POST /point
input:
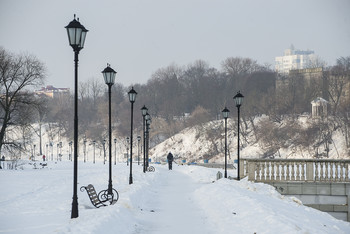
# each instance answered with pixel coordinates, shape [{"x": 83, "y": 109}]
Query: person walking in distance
[{"x": 170, "y": 158}]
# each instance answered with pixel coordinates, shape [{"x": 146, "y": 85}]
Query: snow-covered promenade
[{"x": 184, "y": 200}]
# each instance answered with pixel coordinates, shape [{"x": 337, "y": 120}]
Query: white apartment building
[{"x": 294, "y": 59}]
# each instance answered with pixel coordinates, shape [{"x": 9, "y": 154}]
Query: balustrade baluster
[
  {"x": 326, "y": 176},
  {"x": 321, "y": 170},
  {"x": 303, "y": 176},
  {"x": 293, "y": 172},
  {"x": 332, "y": 171},
  {"x": 278, "y": 178},
  {"x": 263, "y": 177},
  {"x": 341, "y": 172},
  {"x": 287, "y": 173},
  {"x": 273, "y": 178},
  {"x": 246, "y": 167},
  {"x": 297, "y": 177},
  {"x": 345, "y": 175},
  {"x": 336, "y": 176},
  {"x": 268, "y": 171},
  {"x": 316, "y": 171},
  {"x": 346, "y": 172},
  {"x": 283, "y": 171},
  {"x": 302, "y": 170},
  {"x": 243, "y": 168}
]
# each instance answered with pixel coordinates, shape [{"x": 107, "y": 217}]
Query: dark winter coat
[{"x": 170, "y": 157}]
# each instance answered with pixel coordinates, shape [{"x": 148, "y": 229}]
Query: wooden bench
[{"x": 92, "y": 195}]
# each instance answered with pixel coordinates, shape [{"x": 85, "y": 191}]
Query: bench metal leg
[{"x": 104, "y": 196}]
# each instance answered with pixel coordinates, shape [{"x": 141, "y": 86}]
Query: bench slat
[{"x": 92, "y": 195}]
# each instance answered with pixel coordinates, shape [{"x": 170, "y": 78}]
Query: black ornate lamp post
[
  {"x": 127, "y": 150},
  {"x": 148, "y": 123},
  {"x": 34, "y": 152},
  {"x": 85, "y": 148},
  {"x": 225, "y": 113},
  {"x": 47, "y": 152},
  {"x": 20, "y": 151},
  {"x": 70, "y": 150},
  {"x": 138, "y": 149},
  {"x": 60, "y": 150},
  {"x": 104, "y": 151},
  {"x": 115, "y": 151},
  {"x": 94, "y": 142},
  {"x": 238, "y": 98},
  {"x": 144, "y": 113},
  {"x": 109, "y": 77},
  {"x": 132, "y": 97},
  {"x": 51, "y": 145},
  {"x": 57, "y": 146},
  {"x": 76, "y": 36}
]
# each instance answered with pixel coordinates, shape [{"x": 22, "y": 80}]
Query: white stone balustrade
[{"x": 309, "y": 170}]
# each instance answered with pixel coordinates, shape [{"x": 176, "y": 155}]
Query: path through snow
[
  {"x": 172, "y": 209},
  {"x": 180, "y": 201}
]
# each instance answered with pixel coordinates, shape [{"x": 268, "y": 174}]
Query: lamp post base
[{"x": 75, "y": 212}]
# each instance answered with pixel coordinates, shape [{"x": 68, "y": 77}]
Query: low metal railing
[{"x": 313, "y": 170}]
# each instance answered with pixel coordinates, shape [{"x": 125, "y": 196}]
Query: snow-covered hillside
[{"x": 195, "y": 144}]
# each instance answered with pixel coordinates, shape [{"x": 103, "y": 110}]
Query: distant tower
[{"x": 294, "y": 59}]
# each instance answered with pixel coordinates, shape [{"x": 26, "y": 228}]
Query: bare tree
[
  {"x": 163, "y": 93},
  {"x": 240, "y": 66},
  {"x": 59, "y": 107},
  {"x": 42, "y": 109},
  {"x": 316, "y": 62},
  {"x": 275, "y": 136},
  {"x": 339, "y": 78},
  {"x": 199, "y": 116},
  {"x": 343, "y": 118},
  {"x": 17, "y": 73},
  {"x": 339, "y": 88},
  {"x": 96, "y": 89},
  {"x": 24, "y": 125}
]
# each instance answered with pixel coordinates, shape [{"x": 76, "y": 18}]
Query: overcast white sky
[{"x": 137, "y": 37}]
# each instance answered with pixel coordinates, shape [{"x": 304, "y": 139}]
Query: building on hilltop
[
  {"x": 294, "y": 59},
  {"x": 309, "y": 77},
  {"x": 52, "y": 92},
  {"x": 307, "y": 84},
  {"x": 316, "y": 78}
]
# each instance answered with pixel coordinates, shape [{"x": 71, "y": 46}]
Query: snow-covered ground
[{"x": 187, "y": 199}]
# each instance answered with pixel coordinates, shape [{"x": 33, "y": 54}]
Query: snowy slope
[
  {"x": 185, "y": 199},
  {"x": 194, "y": 144},
  {"x": 205, "y": 141}
]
